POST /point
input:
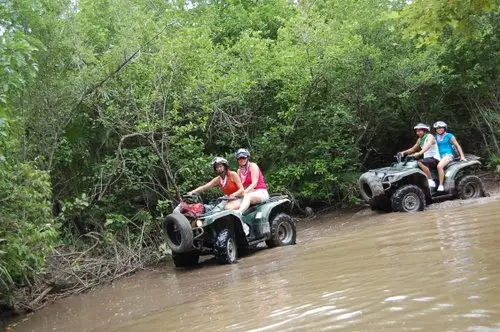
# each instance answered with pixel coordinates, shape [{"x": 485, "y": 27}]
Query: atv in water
[
  {"x": 196, "y": 229},
  {"x": 403, "y": 187}
]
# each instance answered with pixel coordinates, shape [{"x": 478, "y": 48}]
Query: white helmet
[
  {"x": 242, "y": 153},
  {"x": 440, "y": 124},
  {"x": 421, "y": 126},
  {"x": 219, "y": 160}
]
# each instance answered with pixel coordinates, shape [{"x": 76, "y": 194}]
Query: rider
[
  {"x": 228, "y": 181},
  {"x": 426, "y": 146},
  {"x": 253, "y": 181},
  {"x": 445, "y": 143}
]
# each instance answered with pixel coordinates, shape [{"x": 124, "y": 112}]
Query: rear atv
[{"x": 403, "y": 187}]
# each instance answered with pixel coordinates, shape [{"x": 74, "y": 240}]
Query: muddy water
[{"x": 436, "y": 270}]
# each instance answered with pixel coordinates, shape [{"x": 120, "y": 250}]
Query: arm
[
  {"x": 430, "y": 141},
  {"x": 206, "y": 186},
  {"x": 459, "y": 148},
  {"x": 237, "y": 180},
  {"x": 255, "y": 177},
  {"x": 412, "y": 149}
]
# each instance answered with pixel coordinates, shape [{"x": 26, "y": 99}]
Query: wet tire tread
[
  {"x": 275, "y": 241},
  {"x": 184, "y": 230},
  {"x": 221, "y": 247},
  {"x": 467, "y": 180},
  {"x": 398, "y": 197}
]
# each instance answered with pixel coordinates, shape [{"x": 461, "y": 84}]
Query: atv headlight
[
  {"x": 199, "y": 223},
  {"x": 380, "y": 175}
]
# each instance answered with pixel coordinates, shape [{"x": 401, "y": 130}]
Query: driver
[
  {"x": 228, "y": 181},
  {"x": 425, "y": 146}
]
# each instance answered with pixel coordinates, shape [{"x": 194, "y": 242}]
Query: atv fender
[
  {"x": 270, "y": 210},
  {"x": 451, "y": 172},
  {"x": 227, "y": 219}
]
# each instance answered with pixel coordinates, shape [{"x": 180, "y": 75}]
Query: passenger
[
  {"x": 426, "y": 147},
  {"x": 445, "y": 143},
  {"x": 228, "y": 181},
  {"x": 253, "y": 181}
]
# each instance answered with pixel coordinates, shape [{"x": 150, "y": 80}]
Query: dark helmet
[
  {"x": 220, "y": 160},
  {"x": 421, "y": 126},
  {"x": 440, "y": 124},
  {"x": 242, "y": 153}
]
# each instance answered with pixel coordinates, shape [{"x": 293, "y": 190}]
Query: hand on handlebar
[{"x": 228, "y": 198}]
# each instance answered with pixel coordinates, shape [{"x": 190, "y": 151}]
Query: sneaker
[
  {"x": 432, "y": 184},
  {"x": 246, "y": 229},
  {"x": 440, "y": 188}
]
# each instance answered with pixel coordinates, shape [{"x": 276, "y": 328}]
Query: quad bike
[
  {"x": 403, "y": 186},
  {"x": 196, "y": 229}
]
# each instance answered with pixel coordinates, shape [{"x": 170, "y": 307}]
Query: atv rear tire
[
  {"x": 185, "y": 260},
  {"x": 283, "y": 231},
  {"x": 408, "y": 198},
  {"x": 470, "y": 186},
  {"x": 178, "y": 233},
  {"x": 225, "y": 248}
]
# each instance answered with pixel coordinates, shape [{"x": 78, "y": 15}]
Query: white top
[{"x": 433, "y": 150}]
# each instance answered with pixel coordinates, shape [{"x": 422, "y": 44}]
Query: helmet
[
  {"x": 220, "y": 160},
  {"x": 421, "y": 126},
  {"x": 242, "y": 153},
  {"x": 440, "y": 124}
]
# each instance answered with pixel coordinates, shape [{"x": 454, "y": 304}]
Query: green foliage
[
  {"x": 27, "y": 230},
  {"x": 124, "y": 103}
]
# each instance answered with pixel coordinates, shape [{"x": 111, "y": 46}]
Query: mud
[{"x": 358, "y": 270}]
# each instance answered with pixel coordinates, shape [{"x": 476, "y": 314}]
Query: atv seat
[
  {"x": 252, "y": 208},
  {"x": 454, "y": 162},
  {"x": 272, "y": 198}
]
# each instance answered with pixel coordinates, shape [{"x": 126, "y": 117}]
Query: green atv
[
  {"x": 215, "y": 231},
  {"x": 403, "y": 187}
]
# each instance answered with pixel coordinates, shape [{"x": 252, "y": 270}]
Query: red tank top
[{"x": 228, "y": 186}]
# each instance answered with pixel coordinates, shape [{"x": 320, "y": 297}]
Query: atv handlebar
[
  {"x": 192, "y": 198},
  {"x": 400, "y": 158}
]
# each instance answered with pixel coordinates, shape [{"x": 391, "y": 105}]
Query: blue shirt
[{"x": 444, "y": 144}]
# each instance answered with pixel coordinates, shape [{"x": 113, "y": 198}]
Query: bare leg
[
  {"x": 442, "y": 164},
  {"x": 425, "y": 169},
  {"x": 233, "y": 205},
  {"x": 247, "y": 200}
]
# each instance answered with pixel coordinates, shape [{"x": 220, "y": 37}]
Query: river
[{"x": 435, "y": 270}]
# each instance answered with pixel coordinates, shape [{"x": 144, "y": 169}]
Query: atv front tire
[
  {"x": 225, "y": 248},
  {"x": 408, "y": 198}
]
